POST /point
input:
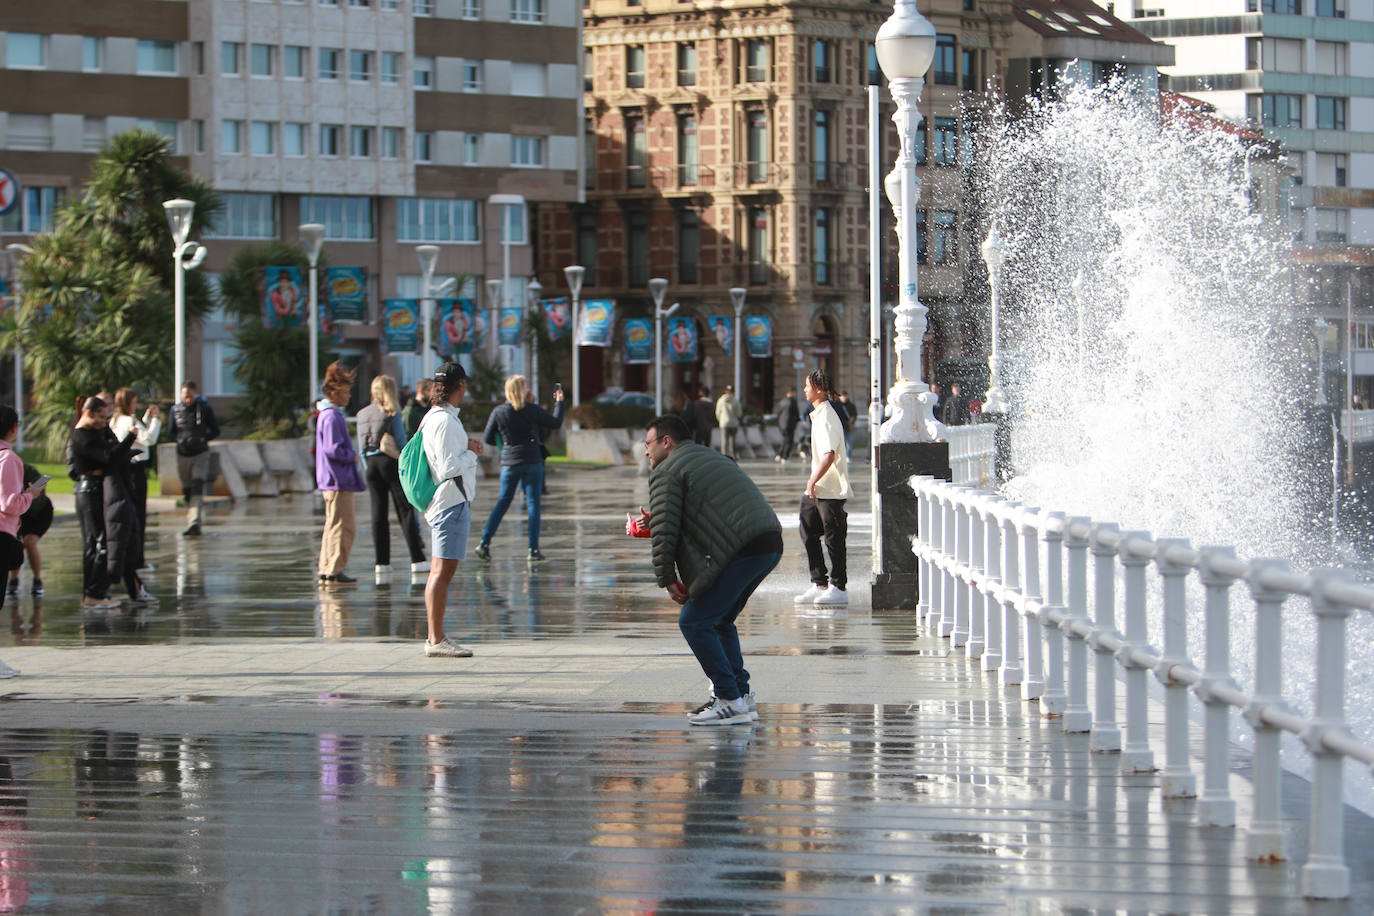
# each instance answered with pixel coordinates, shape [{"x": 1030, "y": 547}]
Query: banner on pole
[
  {"x": 557, "y": 317},
  {"x": 598, "y": 320},
  {"x": 682, "y": 340},
  {"x": 758, "y": 330},
  {"x": 401, "y": 332},
  {"x": 639, "y": 341},
  {"x": 724, "y": 332},
  {"x": 345, "y": 291},
  {"x": 283, "y": 300},
  {"x": 455, "y": 327},
  {"x": 511, "y": 320}
]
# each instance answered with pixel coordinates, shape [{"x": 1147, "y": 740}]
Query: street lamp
[
  {"x": 494, "y": 297},
  {"x": 575, "y": 274},
  {"x": 186, "y": 255},
  {"x": 312, "y": 237},
  {"x": 905, "y": 45},
  {"x": 657, "y": 287},
  {"x": 18, "y": 251},
  {"x": 994, "y": 255},
  {"x": 429, "y": 256},
  {"x": 532, "y": 291},
  {"x": 737, "y": 294},
  {"x": 505, "y": 201}
]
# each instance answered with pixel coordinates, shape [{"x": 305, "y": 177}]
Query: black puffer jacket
[{"x": 702, "y": 510}]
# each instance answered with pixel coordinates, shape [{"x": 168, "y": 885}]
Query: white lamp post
[
  {"x": 18, "y": 251},
  {"x": 1320, "y": 327},
  {"x": 532, "y": 291},
  {"x": 575, "y": 274},
  {"x": 906, "y": 46},
  {"x": 186, "y": 255},
  {"x": 494, "y": 296},
  {"x": 312, "y": 237},
  {"x": 505, "y": 201},
  {"x": 657, "y": 287},
  {"x": 994, "y": 255},
  {"x": 429, "y": 256},
  {"x": 737, "y": 294}
]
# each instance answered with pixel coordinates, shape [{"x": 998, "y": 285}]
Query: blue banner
[
  {"x": 478, "y": 326},
  {"x": 682, "y": 340},
  {"x": 345, "y": 293},
  {"x": 758, "y": 331},
  {"x": 455, "y": 327},
  {"x": 639, "y": 341},
  {"x": 508, "y": 334},
  {"x": 558, "y": 318},
  {"x": 284, "y": 302},
  {"x": 723, "y": 330},
  {"x": 598, "y": 321},
  {"x": 401, "y": 332}
]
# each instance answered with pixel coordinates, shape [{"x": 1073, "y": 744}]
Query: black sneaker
[
  {"x": 37, "y": 590},
  {"x": 192, "y": 531},
  {"x": 344, "y": 579},
  {"x": 710, "y": 701},
  {"x": 483, "y": 552},
  {"x": 12, "y": 588},
  {"x": 536, "y": 555}
]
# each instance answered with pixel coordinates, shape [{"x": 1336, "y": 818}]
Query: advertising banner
[
  {"x": 558, "y": 317},
  {"x": 345, "y": 292},
  {"x": 598, "y": 321},
  {"x": 682, "y": 340},
  {"x": 639, "y": 341},
  {"x": 478, "y": 324},
  {"x": 758, "y": 331},
  {"x": 401, "y": 332},
  {"x": 283, "y": 297},
  {"x": 455, "y": 327},
  {"x": 508, "y": 335},
  {"x": 724, "y": 331}
]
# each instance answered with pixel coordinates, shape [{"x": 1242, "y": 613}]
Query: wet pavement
[{"x": 253, "y": 745}]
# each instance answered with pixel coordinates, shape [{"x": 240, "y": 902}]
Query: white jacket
[
  {"x": 446, "y": 447},
  {"x": 146, "y": 432}
]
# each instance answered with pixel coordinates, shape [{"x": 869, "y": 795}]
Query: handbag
[{"x": 389, "y": 446}]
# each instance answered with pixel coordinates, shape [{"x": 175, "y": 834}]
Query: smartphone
[{"x": 42, "y": 481}]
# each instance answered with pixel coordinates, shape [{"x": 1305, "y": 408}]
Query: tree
[{"x": 97, "y": 308}]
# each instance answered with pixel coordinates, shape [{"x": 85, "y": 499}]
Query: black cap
[{"x": 450, "y": 374}]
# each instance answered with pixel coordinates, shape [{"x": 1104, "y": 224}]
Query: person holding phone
[
  {"x": 522, "y": 460},
  {"x": 15, "y": 499}
]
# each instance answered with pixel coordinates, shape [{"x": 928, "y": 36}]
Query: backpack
[{"x": 416, "y": 480}]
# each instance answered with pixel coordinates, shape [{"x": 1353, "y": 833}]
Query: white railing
[
  {"x": 1358, "y": 425},
  {"x": 972, "y": 453},
  {"x": 979, "y": 561}
]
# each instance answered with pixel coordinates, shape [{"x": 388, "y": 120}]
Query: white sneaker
[
  {"x": 422, "y": 566},
  {"x": 808, "y": 596},
  {"x": 724, "y": 712},
  {"x": 143, "y": 597},
  {"x": 381, "y": 570},
  {"x": 145, "y": 569},
  {"x": 833, "y": 595},
  {"x": 446, "y": 648},
  {"x": 7, "y": 671}
]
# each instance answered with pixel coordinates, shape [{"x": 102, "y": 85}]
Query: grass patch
[{"x": 62, "y": 484}]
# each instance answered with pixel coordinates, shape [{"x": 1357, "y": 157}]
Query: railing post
[
  {"x": 992, "y": 606},
  {"x": 1054, "y": 699},
  {"x": 1264, "y": 839},
  {"x": 1136, "y": 756},
  {"x": 1178, "y": 780},
  {"x": 973, "y": 649},
  {"x": 947, "y": 530},
  {"x": 1010, "y": 672},
  {"x": 1106, "y": 736},
  {"x": 1077, "y": 716},
  {"x": 1325, "y": 875},
  {"x": 1034, "y": 685},
  {"x": 937, "y": 544},
  {"x": 959, "y": 635},
  {"x": 923, "y": 566},
  {"x": 1216, "y": 808}
]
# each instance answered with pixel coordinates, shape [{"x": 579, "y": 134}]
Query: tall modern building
[{"x": 391, "y": 122}]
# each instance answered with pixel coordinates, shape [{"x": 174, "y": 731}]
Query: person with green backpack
[{"x": 439, "y": 476}]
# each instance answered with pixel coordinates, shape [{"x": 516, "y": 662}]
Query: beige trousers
[{"x": 340, "y": 527}]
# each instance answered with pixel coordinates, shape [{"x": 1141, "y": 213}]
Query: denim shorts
[{"x": 451, "y": 532}]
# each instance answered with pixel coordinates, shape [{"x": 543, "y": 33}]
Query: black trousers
[
  {"x": 138, "y": 482},
  {"x": 383, "y": 483},
  {"x": 90, "y": 510},
  {"x": 825, "y": 518},
  {"x": 789, "y": 433}
]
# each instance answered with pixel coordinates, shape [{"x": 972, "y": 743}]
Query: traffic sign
[
  {"x": 798, "y": 358},
  {"x": 9, "y": 191}
]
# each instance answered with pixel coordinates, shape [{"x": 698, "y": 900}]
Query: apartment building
[{"x": 391, "y": 122}]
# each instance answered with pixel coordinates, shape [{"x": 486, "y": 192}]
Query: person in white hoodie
[{"x": 452, "y": 456}]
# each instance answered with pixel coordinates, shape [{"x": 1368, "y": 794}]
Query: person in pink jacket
[{"x": 14, "y": 501}]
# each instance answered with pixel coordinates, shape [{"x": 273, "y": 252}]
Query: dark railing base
[{"x": 895, "y": 586}]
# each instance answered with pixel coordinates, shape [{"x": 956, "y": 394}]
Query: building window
[
  {"x": 756, "y": 60},
  {"x": 1331, "y": 169},
  {"x": 820, "y": 145},
  {"x": 946, "y": 141},
  {"x": 198, "y": 131},
  {"x": 1281, "y": 110},
  {"x": 1286, "y": 7},
  {"x": 688, "y": 150},
  {"x": 688, "y": 246},
  {"x": 360, "y": 3},
  {"x": 261, "y": 59},
  {"x": 197, "y": 57},
  {"x": 946, "y": 247},
  {"x": 589, "y": 151},
  {"x": 424, "y": 146},
  {"x": 230, "y": 53},
  {"x": 430, "y": 219},
  {"x": 30, "y": 131},
  {"x": 970, "y": 66},
  {"x": 36, "y": 212},
  {"x": 921, "y": 141},
  {"x": 587, "y": 246},
  {"x": 91, "y": 53},
  {"x": 157, "y": 57},
  {"x": 331, "y": 136},
  {"x": 343, "y": 218},
  {"x": 360, "y": 66},
  {"x": 25, "y": 51},
  {"x": 293, "y": 138},
  {"x": 528, "y": 79},
  {"x": 945, "y": 72},
  {"x": 820, "y": 247},
  {"x": 922, "y": 249},
  {"x": 513, "y": 224},
  {"x": 527, "y": 11},
  {"x": 391, "y": 66},
  {"x": 1332, "y": 225},
  {"x": 637, "y": 246},
  {"x": 1330, "y": 113},
  {"x": 393, "y": 142},
  {"x": 424, "y": 73},
  {"x": 874, "y": 72},
  {"x": 634, "y": 67},
  {"x": 360, "y": 142},
  {"x": 163, "y": 127},
  {"x": 820, "y": 62},
  {"x": 329, "y": 62},
  {"x": 527, "y": 152},
  {"x": 262, "y": 137},
  {"x": 1332, "y": 9},
  {"x": 636, "y": 152},
  {"x": 423, "y": 7},
  {"x": 245, "y": 216},
  {"x": 472, "y": 76},
  {"x": 756, "y": 144},
  {"x": 231, "y": 137},
  {"x": 1333, "y": 58},
  {"x": 295, "y": 61},
  {"x": 472, "y": 149},
  {"x": 687, "y": 64},
  {"x": 472, "y": 9},
  {"x": 1281, "y": 54},
  {"x": 760, "y": 260}
]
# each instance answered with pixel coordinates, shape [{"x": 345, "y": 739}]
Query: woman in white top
[
  {"x": 452, "y": 456},
  {"x": 146, "y": 430}
]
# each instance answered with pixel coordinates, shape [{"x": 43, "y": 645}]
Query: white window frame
[
  {"x": 321, "y": 54},
  {"x": 231, "y": 54},
  {"x": 363, "y": 75},
  {"x": 439, "y": 221},
  {"x": 231, "y": 128},
  {"x": 521, "y": 148},
  {"x": 472, "y": 75},
  {"x": 253, "y": 50},
  {"x": 424, "y": 146},
  {"x": 302, "y": 130},
  {"x": 153, "y": 47},
  {"x": 391, "y": 66},
  {"x": 471, "y": 10},
  {"x": 360, "y": 141},
  {"x": 527, "y": 11},
  {"x": 41, "y": 41},
  {"x": 335, "y": 131},
  {"x": 422, "y": 79},
  {"x": 393, "y": 143},
  {"x": 237, "y": 220},
  {"x": 302, "y": 54},
  {"x": 89, "y": 42},
  {"x": 311, "y": 213},
  {"x": 265, "y": 130}
]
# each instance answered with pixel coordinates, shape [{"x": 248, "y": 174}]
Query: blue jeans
[
  {"x": 708, "y": 623},
  {"x": 531, "y": 477}
]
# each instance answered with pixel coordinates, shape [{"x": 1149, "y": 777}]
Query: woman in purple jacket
[{"x": 337, "y": 475}]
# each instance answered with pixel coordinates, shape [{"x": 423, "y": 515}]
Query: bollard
[
  {"x": 1054, "y": 700},
  {"x": 1178, "y": 780},
  {"x": 1264, "y": 839},
  {"x": 1136, "y": 756},
  {"x": 1106, "y": 736},
  {"x": 1077, "y": 716},
  {"x": 1216, "y": 808},
  {"x": 1010, "y": 672},
  {"x": 959, "y": 634},
  {"x": 973, "y": 649},
  {"x": 1033, "y": 686},
  {"x": 992, "y": 609}
]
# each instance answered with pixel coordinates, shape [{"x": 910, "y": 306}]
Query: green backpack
[{"x": 416, "y": 480}]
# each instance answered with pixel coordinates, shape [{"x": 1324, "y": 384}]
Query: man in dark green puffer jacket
[{"x": 715, "y": 539}]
